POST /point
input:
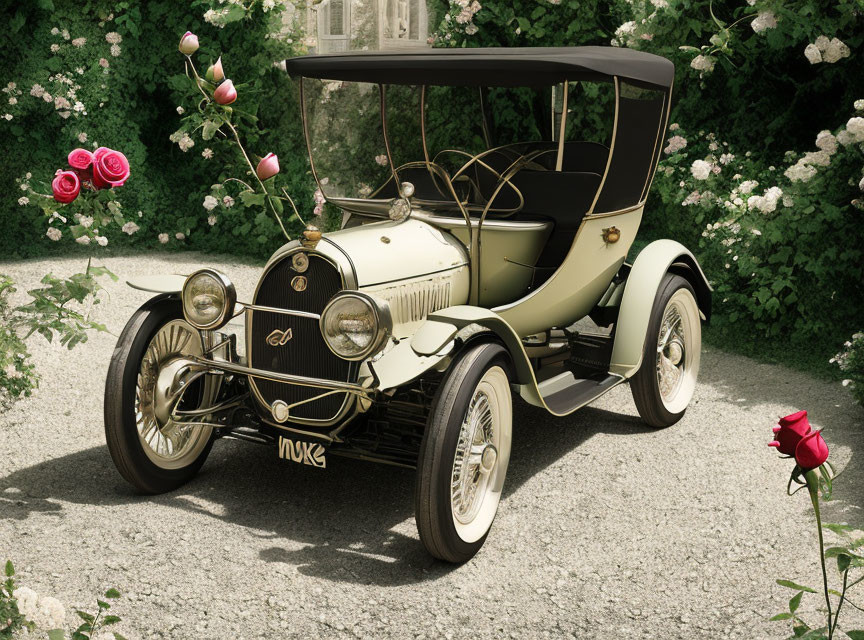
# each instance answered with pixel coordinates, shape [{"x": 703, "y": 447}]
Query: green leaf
[
  {"x": 56, "y": 634},
  {"x": 102, "y": 604},
  {"x": 843, "y": 562},
  {"x": 112, "y": 593},
  {"x": 85, "y": 616},
  {"x": 234, "y": 13},
  {"x": 855, "y": 635},
  {"x": 252, "y": 199},
  {"x": 838, "y": 528},
  {"x": 102, "y": 271},
  {"x": 794, "y": 585},
  {"x": 110, "y": 620},
  {"x": 781, "y": 616},
  {"x": 833, "y": 552},
  {"x": 795, "y": 602},
  {"x": 17, "y": 22},
  {"x": 277, "y": 204},
  {"x": 210, "y": 128},
  {"x": 117, "y": 636},
  {"x": 10, "y": 570}
]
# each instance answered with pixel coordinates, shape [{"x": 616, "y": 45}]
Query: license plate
[{"x": 311, "y": 453}]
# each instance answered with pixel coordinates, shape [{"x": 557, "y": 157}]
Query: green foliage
[
  {"x": 59, "y": 309},
  {"x": 11, "y": 620},
  {"x": 851, "y": 363},
  {"x": 49, "y": 315},
  {"x": 784, "y": 254},
  {"x": 129, "y": 102},
  {"x": 93, "y": 622},
  {"x": 17, "y": 375}
]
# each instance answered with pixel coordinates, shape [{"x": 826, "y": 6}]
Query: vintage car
[{"x": 489, "y": 259}]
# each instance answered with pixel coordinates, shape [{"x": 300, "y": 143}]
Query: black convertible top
[{"x": 504, "y": 67}]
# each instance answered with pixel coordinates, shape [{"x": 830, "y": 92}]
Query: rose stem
[
  {"x": 197, "y": 78},
  {"x": 842, "y": 596},
  {"x": 255, "y": 173},
  {"x": 813, "y": 488}
]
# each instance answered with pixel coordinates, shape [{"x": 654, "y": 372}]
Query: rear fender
[{"x": 643, "y": 281}]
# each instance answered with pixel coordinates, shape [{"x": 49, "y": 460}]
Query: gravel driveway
[{"x": 607, "y": 529}]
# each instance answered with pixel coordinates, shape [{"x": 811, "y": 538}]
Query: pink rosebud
[
  {"x": 188, "y": 43},
  {"x": 812, "y": 451},
  {"x": 215, "y": 72},
  {"x": 66, "y": 186},
  {"x": 790, "y": 432},
  {"x": 225, "y": 93},
  {"x": 268, "y": 167},
  {"x": 80, "y": 159}
]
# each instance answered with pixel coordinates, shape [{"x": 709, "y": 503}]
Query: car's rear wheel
[
  {"x": 666, "y": 380},
  {"x": 464, "y": 455},
  {"x": 153, "y": 450}
]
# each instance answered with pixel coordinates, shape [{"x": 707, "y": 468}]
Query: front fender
[
  {"x": 653, "y": 262},
  {"x": 433, "y": 342},
  {"x": 443, "y": 325},
  {"x": 169, "y": 283}
]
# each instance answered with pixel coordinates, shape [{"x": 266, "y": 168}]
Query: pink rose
[
  {"x": 188, "y": 43},
  {"x": 110, "y": 168},
  {"x": 80, "y": 159},
  {"x": 225, "y": 93},
  {"x": 268, "y": 167},
  {"x": 65, "y": 186}
]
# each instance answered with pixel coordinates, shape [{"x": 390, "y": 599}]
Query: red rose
[
  {"x": 110, "y": 168},
  {"x": 790, "y": 432},
  {"x": 80, "y": 159},
  {"x": 812, "y": 451},
  {"x": 66, "y": 186}
]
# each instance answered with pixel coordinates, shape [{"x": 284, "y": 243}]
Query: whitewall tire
[
  {"x": 464, "y": 455},
  {"x": 664, "y": 385}
]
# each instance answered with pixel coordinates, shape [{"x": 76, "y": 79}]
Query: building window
[
  {"x": 334, "y": 25},
  {"x": 403, "y": 22}
]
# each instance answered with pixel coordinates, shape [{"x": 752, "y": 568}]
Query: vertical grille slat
[{"x": 305, "y": 354}]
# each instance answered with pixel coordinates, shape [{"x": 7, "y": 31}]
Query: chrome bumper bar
[{"x": 216, "y": 366}]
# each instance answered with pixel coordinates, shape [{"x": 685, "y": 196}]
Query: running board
[{"x": 564, "y": 393}]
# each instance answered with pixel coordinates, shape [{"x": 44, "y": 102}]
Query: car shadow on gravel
[
  {"x": 757, "y": 384},
  {"x": 350, "y": 523}
]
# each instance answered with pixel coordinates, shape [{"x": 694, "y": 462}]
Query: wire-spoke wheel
[
  {"x": 464, "y": 455},
  {"x": 155, "y": 443},
  {"x": 666, "y": 380},
  {"x": 170, "y": 442}
]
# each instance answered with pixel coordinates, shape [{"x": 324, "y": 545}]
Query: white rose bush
[
  {"x": 24, "y": 612},
  {"x": 779, "y": 242}
]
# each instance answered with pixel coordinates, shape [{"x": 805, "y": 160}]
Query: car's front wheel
[
  {"x": 151, "y": 448},
  {"x": 666, "y": 380},
  {"x": 464, "y": 455}
]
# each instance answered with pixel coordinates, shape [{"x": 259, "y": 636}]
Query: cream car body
[{"x": 464, "y": 277}]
